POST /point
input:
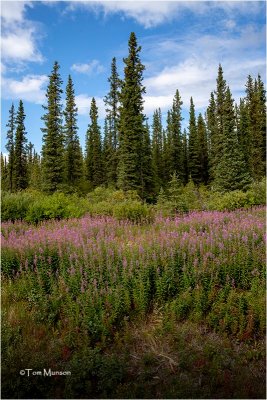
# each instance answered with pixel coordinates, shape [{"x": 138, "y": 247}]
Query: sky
[{"x": 182, "y": 43}]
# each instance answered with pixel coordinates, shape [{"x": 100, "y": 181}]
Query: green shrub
[
  {"x": 228, "y": 201},
  {"x": 102, "y": 194},
  {"x": 257, "y": 192},
  {"x": 134, "y": 211},
  {"x": 15, "y": 205}
]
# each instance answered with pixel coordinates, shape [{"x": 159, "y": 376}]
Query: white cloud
[
  {"x": 193, "y": 65},
  {"x": 20, "y": 46},
  {"x": 153, "y": 13},
  {"x": 151, "y": 103},
  {"x": 31, "y": 88},
  {"x": 19, "y": 35},
  {"x": 83, "y": 102},
  {"x": 13, "y": 11},
  {"x": 230, "y": 24},
  {"x": 2, "y": 68},
  {"x": 191, "y": 77},
  {"x": 93, "y": 67}
]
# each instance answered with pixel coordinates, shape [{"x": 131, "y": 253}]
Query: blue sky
[{"x": 182, "y": 45}]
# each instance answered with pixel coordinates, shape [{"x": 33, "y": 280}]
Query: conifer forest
[{"x": 135, "y": 267}]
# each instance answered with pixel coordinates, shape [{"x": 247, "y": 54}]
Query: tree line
[{"x": 224, "y": 148}]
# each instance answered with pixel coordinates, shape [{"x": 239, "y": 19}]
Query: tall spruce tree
[
  {"x": 73, "y": 151},
  {"x": 212, "y": 131},
  {"x": 11, "y": 149},
  {"x": 94, "y": 157},
  {"x": 4, "y": 173},
  {"x": 193, "y": 146},
  {"x": 132, "y": 127},
  {"x": 20, "y": 151},
  {"x": 220, "y": 114},
  {"x": 147, "y": 171},
  {"x": 256, "y": 126},
  {"x": 230, "y": 173},
  {"x": 202, "y": 150},
  {"x": 185, "y": 157},
  {"x": 261, "y": 95},
  {"x": 53, "y": 138},
  {"x": 167, "y": 148},
  {"x": 243, "y": 131},
  {"x": 176, "y": 152},
  {"x": 111, "y": 131},
  {"x": 108, "y": 152},
  {"x": 157, "y": 150},
  {"x": 35, "y": 177}
]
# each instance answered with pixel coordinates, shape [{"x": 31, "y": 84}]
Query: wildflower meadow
[{"x": 94, "y": 276}]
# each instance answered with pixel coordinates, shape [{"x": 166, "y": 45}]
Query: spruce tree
[
  {"x": 212, "y": 132},
  {"x": 167, "y": 148},
  {"x": 220, "y": 109},
  {"x": 256, "y": 126},
  {"x": 108, "y": 152},
  {"x": 157, "y": 149},
  {"x": 53, "y": 138},
  {"x": 35, "y": 177},
  {"x": 10, "y": 148},
  {"x": 132, "y": 127},
  {"x": 176, "y": 152},
  {"x": 73, "y": 151},
  {"x": 111, "y": 131},
  {"x": 261, "y": 95},
  {"x": 94, "y": 161},
  {"x": 30, "y": 150},
  {"x": 202, "y": 150},
  {"x": 243, "y": 131},
  {"x": 20, "y": 151},
  {"x": 185, "y": 157},
  {"x": 147, "y": 171},
  {"x": 193, "y": 147},
  {"x": 4, "y": 173},
  {"x": 220, "y": 114},
  {"x": 230, "y": 173}
]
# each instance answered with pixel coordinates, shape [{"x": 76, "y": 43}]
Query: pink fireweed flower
[
  {"x": 195, "y": 262},
  {"x": 245, "y": 239}
]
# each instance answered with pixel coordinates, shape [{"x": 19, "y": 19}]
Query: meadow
[{"x": 172, "y": 307}]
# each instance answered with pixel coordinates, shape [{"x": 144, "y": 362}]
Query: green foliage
[
  {"x": 73, "y": 151},
  {"x": 253, "y": 120},
  {"x": 10, "y": 146},
  {"x": 15, "y": 205},
  {"x": 33, "y": 206},
  {"x": 20, "y": 151},
  {"x": 94, "y": 156},
  {"x": 53, "y": 138},
  {"x": 174, "y": 121},
  {"x": 229, "y": 201},
  {"x": 111, "y": 129},
  {"x": 134, "y": 211},
  {"x": 157, "y": 149},
  {"x": 230, "y": 172},
  {"x": 178, "y": 198},
  {"x": 257, "y": 192},
  {"x": 133, "y": 174}
]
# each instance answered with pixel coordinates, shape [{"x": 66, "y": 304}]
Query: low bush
[
  {"x": 257, "y": 192},
  {"x": 15, "y": 206},
  {"x": 134, "y": 211},
  {"x": 33, "y": 206},
  {"x": 180, "y": 199},
  {"x": 229, "y": 201}
]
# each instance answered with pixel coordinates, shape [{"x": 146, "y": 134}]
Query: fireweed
[{"x": 94, "y": 273}]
